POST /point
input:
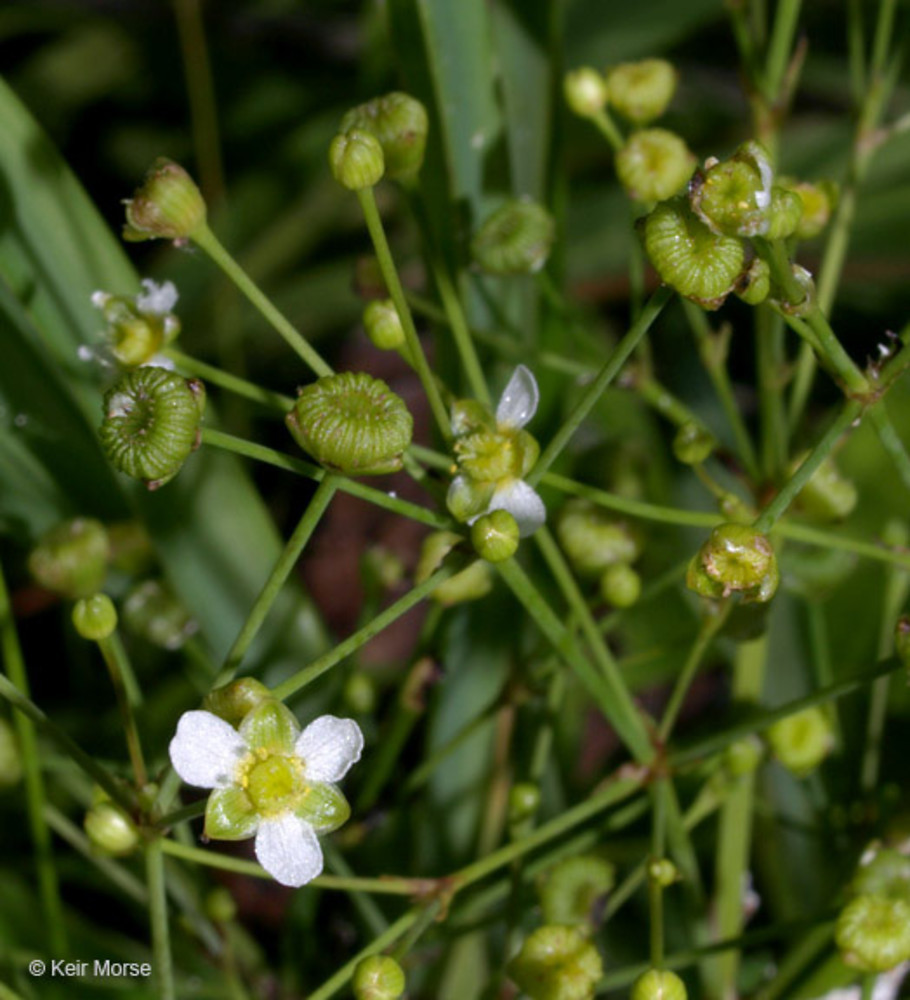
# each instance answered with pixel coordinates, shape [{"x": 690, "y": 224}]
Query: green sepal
[
  {"x": 229, "y": 815},
  {"x": 324, "y": 807},
  {"x": 270, "y": 727},
  {"x": 467, "y": 498},
  {"x": 470, "y": 416}
]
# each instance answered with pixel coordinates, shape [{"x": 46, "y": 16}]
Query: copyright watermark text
[{"x": 99, "y": 968}]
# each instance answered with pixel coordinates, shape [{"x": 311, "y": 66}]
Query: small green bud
[
  {"x": 754, "y": 284},
  {"x": 515, "y": 239},
  {"x": 524, "y": 801},
  {"x": 356, "y": 159},
  {"x": 585, "y": 91},
  {"x": 700, "y": 264},
  {"x": 167, "y": 206},
  {"x": 733, "y": 197},
  {"x": 784, "y": 213},
  {"x": 151, "y": 423},
  {"x": 220, "y": 906},
  {"x": 234, "y": 701},
  {"x": 378, "y": 977},
  {"x": 873, "y": 933},
  {"x": 110, "y": 829},
  {"x": 471, "y": 583},
  {"x": 886, "y": 873},
  {"x": 659, "y": 985},
  {"x": 654, "y": 165},
  {"x": 593, "y": 540},
  {"x": 400, "y": 123},
  {"x": 620, "y": 585},
  {"x": 734, "y": 559},
  {"x": 575, "y": 890},
  {"x": 359, "y": 693},
  {"x": 663, "y": 872},
  {"x": 802, "y": 741},
  {"x": 828, "y": 496},
  {"x": 131, "y": 549},
  {"x": 902, "y": 640},
  {"x": 495, "y": 536},
  {"x": 693, "y": 443},
  {"x": 152, "y": 611},
  {"x": 383, "y": 325},
  {"x": 818, "y": 202},
  {"x": 71, "y": 558},
  {"x": 744, "y": 756},
  {"x": 352, "y": 423},
  {"x": 10, "y": 757},
  {"x": 95, "y": 617},
  {"x": 557, "y": 963},
  {"x": 641, "y": 91}
]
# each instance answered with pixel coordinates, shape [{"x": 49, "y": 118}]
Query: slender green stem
[
  {"x": 891, "y": 442},
  {"x": 820, "y": 647},
  {"x": 710, "y": 626},
  {"x": 769, "y": 342},
  {"x": 422, "y": 773},
  {"x": 277, "y": 578},
  {"x": 666, "y": 404},
  {"x": 363, "y": 635},
  {"x": 194, "y": 368},
  {"x": 208, "y": 242},
  {"x": 193, "y": 811},
  {"x": 460, "y": 332},
  {"x": 595, "y": 390},
  {"x": 15, "y": 689},
  {"x": 658, "y": 852},
  {"x": 786, "y": 18},
  {"x": 373, "y": 220},
  {"x": 881, "y": 43},
  {"x": 363, "y": 902},
  {"x": 119, "y": 669},
  {"x": 161, "y": 934},
  {"x": 607, "y": 128},
  {"x": 270, "y": 456}
]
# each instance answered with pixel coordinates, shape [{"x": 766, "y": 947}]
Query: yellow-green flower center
[{"x": 275, "y": 783}]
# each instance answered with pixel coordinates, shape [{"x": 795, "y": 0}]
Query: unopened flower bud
[
  {"x": 873, "y": 933},
  {"x": 10, "y": 757},
  {"x": 471, "y": 583},
  {"x": 495, "y": 536},
  {"x": 71, "y": 558},
  {"x": 356, "y": 159},
  {"x": 886, "y": 873},
  {"x": 399, "y": 122},
  {"x": 802, "y": 741},
  {"x": 620, "y": 585},
  {"x": 557, "y": 963},
  {"x": 234, "y": 701},
  {"x": 383, "y": 325},
  {"x": 585, "y": 91},
  {"x": 352, "y": 423},
  {"x": 575, "y": 889},
  {"x": 153, "y": 611},
  {"x": 663, "y": 872},
  {"x": 168, "y": 205},
  {"x": 110, "y": 829},
  {"x": 700, "y": 264},
  {"x": 359, "y": 693},
  {"x": 828, "y": 496},
  {"x": 95, "y": 617},
  {"x": 220, "y": 906},
  {"x": 593, "y": 540},
  {"x": 657, "y": 984},
  {"x": 693, "y": 443},
  {"x": 735, "y": 559},
  {"x": 515, "y": 239},
  {"x": 378, "y": 977},
  {"x": 744, "y": 756},
  {"x": 733, "y": 197},
  {"x": 754, "y": 284},
  {"x": 654, "y": 165},
  {"x": 524, "y": 801},
  {"x": 818, "y": 202},
  {"x": 641, "y": 91},
  {"x": 131, "y": 550}
]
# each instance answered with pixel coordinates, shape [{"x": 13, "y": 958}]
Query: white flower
[
  {"x": 140, "y": 326},
  {"x": 270, "y": 780},
  {"x": 494, "y": 457}
]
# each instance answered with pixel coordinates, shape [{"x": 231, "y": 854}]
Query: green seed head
[
  {"x": 95, "y": 617},
  {"x": 733, "y": 197},
  {"x": 356, "y": 159},
  {"x": 659, "y": 985},
  {"x": 168, "y": 205},
  {"x": 515, "y": 239},
  {"x": 754, "y": 284},
  {"x": 557, "y": 963},
  {"x": 828, "y": 496},
  {"x": 873, "y": 933},
  {"x": 654, "y": 165},
  {"x": 593, "y": 540},
  {"x": 818, "y": 202},
  {"x": 620, "y": 585},
  {"x": 399, "y": 122},
  {"x": 886, "y": 873},
  {"x": 495, "y": 536},
  {"x": 641, "y": 91},
  {"x": 784, "y": 214},
  {"x": 735, "y": 559},
  {"x": 700, "y": 264},
  {"x": 378, "y": 978},
  {"x": 352, "y": 423},
  {"x": 575, "y": 890},
  {"x": 71, "y": 559},
  {"x": 585, "y": 91},
  {"x": 802, "y": 741}
]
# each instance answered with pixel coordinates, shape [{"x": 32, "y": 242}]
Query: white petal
[
  {"x": 518, "y": 402},
  {"x": 523, "y": 503},
  {"x": 205, "y": 750},
  {"x": 288, "y": 850},
  {"x": 156, "y": 299},
  {"x": 328, "y": 747}
]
